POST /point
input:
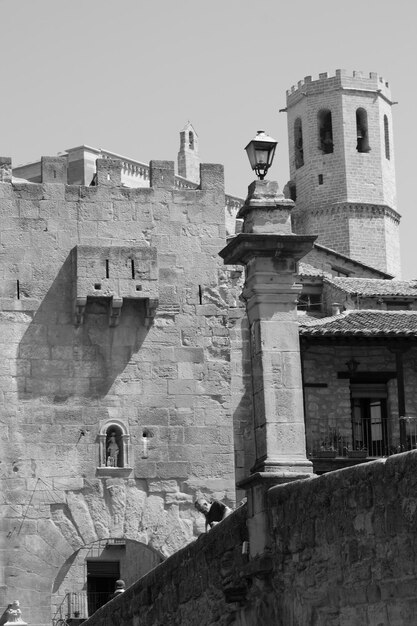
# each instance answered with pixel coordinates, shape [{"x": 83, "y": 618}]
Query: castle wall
[
  {"x": 113, "y": 315},
  {"x": 341, "y": 553}
]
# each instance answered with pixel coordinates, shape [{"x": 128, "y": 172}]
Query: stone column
[{"x": 270, "y": 251}]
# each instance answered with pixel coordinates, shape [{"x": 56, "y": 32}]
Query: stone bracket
[
  {"x": 80, "y": 305},
  {"x": 151, "y": 305},
  {"x": 115, "y": 310}
]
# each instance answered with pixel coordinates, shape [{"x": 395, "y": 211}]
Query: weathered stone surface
[
  {"x": 162, "y": 368},
  {"x": 328, "y": 562}
]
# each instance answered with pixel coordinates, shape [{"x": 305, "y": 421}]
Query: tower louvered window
[
  {"x": 386, "y": 137},
  {"x": 298, "y": 143},
  {"x": 325, "y": 131},
  {"x": 362, "y": 138}
]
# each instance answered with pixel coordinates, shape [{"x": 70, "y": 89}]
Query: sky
[{"x": 126, "y": 75}]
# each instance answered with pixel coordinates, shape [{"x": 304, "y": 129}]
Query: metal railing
[
  {"x": 80, "y": 604},
  {"x": 369, "y": 438}
]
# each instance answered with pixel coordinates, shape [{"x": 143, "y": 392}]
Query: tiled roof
[
  {"x": 362, "y": 323},
  {"x": 375, "y": 286}
]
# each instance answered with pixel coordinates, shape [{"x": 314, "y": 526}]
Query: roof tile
[{"x": 362, "y": 323}]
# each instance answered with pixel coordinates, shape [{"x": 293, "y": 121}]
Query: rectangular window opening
[
  {"x": 107, "y": 268},
  {"x": 320, "y": 179}
]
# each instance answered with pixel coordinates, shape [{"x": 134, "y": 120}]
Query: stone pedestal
[{"x": 270, "y": 251}]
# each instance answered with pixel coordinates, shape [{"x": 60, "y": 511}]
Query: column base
[{"x": 288, "y": 467}]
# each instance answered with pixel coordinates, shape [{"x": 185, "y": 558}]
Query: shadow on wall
[
  {"x": 242, "y": 390},
  {"x": 59, "y": 360}
]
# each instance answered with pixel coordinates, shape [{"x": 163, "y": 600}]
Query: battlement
[
  {"x": 108, "y": 170},
  {"x": 355, "y": 80}
]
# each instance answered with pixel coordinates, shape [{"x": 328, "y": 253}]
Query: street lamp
[{"x": 261, "y": 152}]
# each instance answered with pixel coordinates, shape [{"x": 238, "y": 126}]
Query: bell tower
[
  {"x": 188, "y": 157},
  {"x": 342, "y": 166}
]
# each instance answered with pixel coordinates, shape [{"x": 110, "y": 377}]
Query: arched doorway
[{"x": 87, "y": 579}]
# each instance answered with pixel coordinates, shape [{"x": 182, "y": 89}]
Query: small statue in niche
[{"x": 112, "y": 451}]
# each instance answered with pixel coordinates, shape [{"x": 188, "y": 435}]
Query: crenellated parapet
[
  {"x": 342, "y": 79},
  {"x": 5, "y": 170}
]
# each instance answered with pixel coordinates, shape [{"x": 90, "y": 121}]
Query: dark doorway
[
  {"x": 101, "y": 582},
  {"x": 370, "y": 425}
]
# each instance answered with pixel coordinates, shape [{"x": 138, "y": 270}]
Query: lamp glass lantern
[{"x": 261, "y": 151}]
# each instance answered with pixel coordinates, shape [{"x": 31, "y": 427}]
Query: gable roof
[{"x": 362, "y": 323}]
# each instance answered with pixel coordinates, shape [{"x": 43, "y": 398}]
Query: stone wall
[
  {"x": 342, "y": 554},
  {"x": 191, "y": 587},
  {"x": 346, "y": 546},
  {"x": 114, "y": 314}
]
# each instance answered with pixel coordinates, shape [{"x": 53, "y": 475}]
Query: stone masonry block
[
  {"x": 54, "y": 169},
  {"x": 212, "y": 177},
  {"x": 162, "y": 174},
  {"x": 109, "y": 172}
]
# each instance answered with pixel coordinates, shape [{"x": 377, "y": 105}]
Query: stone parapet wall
[
  {"x": 342, "y": 554},
  {"x": 345, "y": 544},
  {"x": 191, "y": 587},
  {"x": 342, "y": 79}
]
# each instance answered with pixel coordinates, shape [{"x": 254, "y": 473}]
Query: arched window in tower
[
  {"x": 191, "y": 140},
  {"x": 362, "y": 138},
  {"x": 325, "y": 131},
  {"x": 298, "y": 143},
  {"x": 386, "y": 137}
]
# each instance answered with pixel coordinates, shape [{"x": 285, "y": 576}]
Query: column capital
[{"x": 246, "y": 246}]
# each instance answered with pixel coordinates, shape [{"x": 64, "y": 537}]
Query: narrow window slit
[
  {"x": 133, "y": 267},
  {"x": 200, "y": 294},
  {"x": 107, "y": 268},
  {"x": 18, "y": 289}
]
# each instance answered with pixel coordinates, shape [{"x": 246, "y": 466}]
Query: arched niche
[{"x": 114, "y": 435}]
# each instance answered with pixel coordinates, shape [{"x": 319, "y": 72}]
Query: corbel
[
  {"x": 151, "y": 305},
  {"x": 115, "y": 310},
  {"x": 80, "y": 304}
]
